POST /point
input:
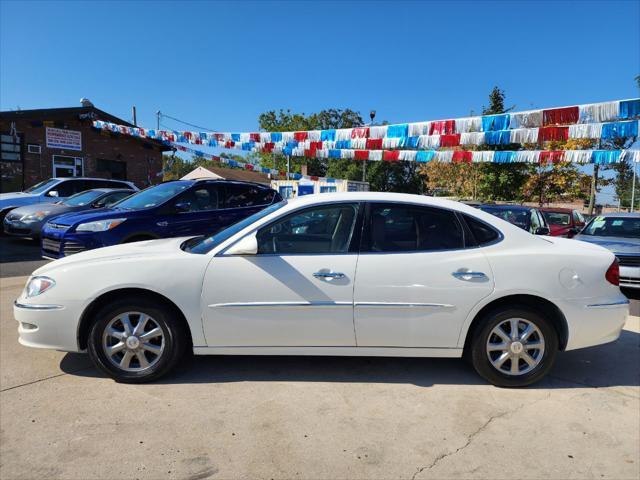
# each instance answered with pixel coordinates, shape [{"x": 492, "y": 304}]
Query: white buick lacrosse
[{"x": 368, "y": 274}]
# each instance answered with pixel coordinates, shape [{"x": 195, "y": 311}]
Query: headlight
[
  {"x": 34, "y": 217},
  {"x": 100, "y": 226},
  {"x": 38, "y": 285}
]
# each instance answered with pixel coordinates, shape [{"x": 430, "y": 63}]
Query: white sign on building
[{"x": 65, "y": 139}]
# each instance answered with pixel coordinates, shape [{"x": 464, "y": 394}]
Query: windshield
[
  {"x": 517, "y": 216},
  {"x": 206, "y": 244},
  {"x": 41, "y": 186},
  {"x": 152, "y": 196},
  {"x": 628, "y": 227},
  {"x": 557, "y": 218},
  {"x": 82, "y": 198}
]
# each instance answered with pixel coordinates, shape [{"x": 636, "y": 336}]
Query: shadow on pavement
[{"x": 614, "y": 364}]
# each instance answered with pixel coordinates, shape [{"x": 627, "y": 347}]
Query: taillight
[{"x": 613, "y": 273}]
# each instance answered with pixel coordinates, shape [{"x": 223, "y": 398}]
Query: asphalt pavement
[{"x": 316, "y": 418}]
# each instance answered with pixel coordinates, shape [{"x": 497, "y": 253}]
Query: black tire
[
  {"x": 174, "y": 337},
  {"x": 478, "y": 347}
]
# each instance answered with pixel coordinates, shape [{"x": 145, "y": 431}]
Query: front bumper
[
  {"x": 16, "y": 228},
  {"x": 58, "y": 244},
  {"x": 46, "y": 326}
]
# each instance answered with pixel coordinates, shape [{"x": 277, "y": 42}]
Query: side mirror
[
  {"x": 542, "y": 231},
  {"x": 247, "y": 246},
  {"x": 183, "y": 207},
  {"x": 97, "y": 205},
  {"x": 53, "y": 193}
]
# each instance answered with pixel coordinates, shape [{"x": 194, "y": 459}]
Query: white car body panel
[{"x": 393, "y": 313}]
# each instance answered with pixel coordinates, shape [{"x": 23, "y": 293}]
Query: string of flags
[{"x": 425, "y": 141}]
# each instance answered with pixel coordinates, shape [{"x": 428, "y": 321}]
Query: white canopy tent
[{"x": 201, "y": 172}]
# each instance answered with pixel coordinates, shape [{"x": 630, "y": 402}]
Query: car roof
[
  {"x": 556, "y": 210},
  {"x": 219, "y": 180},
  {"x": 92, "y": 178},
  {"x": 506, "y": 207},
  {"x": 620, "y": 214},
  {"x": 110, "y": 190}
]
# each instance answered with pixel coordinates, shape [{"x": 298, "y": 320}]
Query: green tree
[
  {"x": 623, "y": 183},
  {"x": 560, "y": 182},
  {"x": 496, "y": 103}
]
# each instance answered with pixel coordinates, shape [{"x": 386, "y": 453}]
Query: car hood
[
  {"x": 141, "y": 250},
  {"x": 40, "y": 207},
  {"x": 76, "y": 218},
  {"x": 614, "y": 244},
  {"x": 16, "y": 199}
]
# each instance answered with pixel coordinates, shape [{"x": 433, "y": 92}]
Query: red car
[{"x": 563, "y": 222}]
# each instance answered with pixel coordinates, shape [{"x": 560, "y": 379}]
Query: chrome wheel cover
[
  {"x": 515, "y": 346},
  {"x": 133, "y": 342}
]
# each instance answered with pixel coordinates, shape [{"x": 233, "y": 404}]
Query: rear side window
[
  {"x": 407, "y": 228},
  {"x": 70, "y": 187},
  {"x": 239, "y": 196},
  {"x": 481, "y": 231}
]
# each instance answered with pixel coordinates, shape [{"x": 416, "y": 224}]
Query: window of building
[
  {"x": 323, "y": 229},
  {"x": 10, "y": 148},
  {"x": 33, "y": 148},
  {"x": 407, "y": 228},
  {"x": 286, "y": 191},
  {"x": 116, "y": 169},
  {"x": 328, "y": 189}
]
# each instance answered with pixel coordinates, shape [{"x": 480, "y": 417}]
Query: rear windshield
[{"x": 557, "y": 218}]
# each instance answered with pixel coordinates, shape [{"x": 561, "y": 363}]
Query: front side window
[
  {"x": 69, "y": 187},
  {"x": 200, "y": 199},
  {"x": 407, "y": 228},
  {"x": 112, "y": 198},
  {"x": 557, "y": 218},
  {"x": 322, "y": 229},
  {"x": 153, "y": 196}
]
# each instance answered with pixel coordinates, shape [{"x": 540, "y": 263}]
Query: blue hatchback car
[{"x": 172, "y": 209}]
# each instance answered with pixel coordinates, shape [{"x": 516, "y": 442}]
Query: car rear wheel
[
  {"x": 136, "y": 341},
  {"x": 514, "y": 347}
]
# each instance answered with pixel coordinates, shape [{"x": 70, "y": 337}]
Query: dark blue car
[{"x": 171, "y": 209}]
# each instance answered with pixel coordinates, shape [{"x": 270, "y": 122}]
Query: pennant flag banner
[{"x": 425, "y": 141}]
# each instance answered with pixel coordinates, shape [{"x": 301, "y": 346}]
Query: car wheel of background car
[
  {"x": 135, "y": 341},
  {"x": 514, "y": 347}
]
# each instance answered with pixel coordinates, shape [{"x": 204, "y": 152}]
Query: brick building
[{"x": 61, "y": 142}]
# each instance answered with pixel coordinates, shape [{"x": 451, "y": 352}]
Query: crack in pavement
[
  {"x": 45, "y": 378},
  {"x": 474, "y": 434}
]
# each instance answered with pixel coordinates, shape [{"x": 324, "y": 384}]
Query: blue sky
[{"x": 220, "y": 64}]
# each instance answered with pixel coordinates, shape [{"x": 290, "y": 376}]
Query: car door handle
[
  {"x": 329, "y": 275},
  {"x": 469, "y": 275},
  {"x": 162, "y": 224}
]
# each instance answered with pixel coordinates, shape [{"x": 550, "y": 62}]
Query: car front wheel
[
  {"x": 514, "y": 347},
  {"x": 136, "y": 341}
]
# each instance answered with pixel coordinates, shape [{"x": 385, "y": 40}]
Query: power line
[{"x": 186, "y": 123}]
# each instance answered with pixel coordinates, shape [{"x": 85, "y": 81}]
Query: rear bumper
[{"x": 594, "y": 321}]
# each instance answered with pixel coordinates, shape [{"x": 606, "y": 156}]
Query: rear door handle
[
  {"x": 329, "y": 275},
  {"x": 469, "y": 275}
]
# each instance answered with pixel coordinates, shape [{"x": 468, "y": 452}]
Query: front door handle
[
  {"x": 469, "y": 275},
  {"x": 162, "y": 224},
  {"x": 328, "y": 275}
]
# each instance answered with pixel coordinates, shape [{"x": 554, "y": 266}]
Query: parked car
[
  {"x": 563, "y": 222},
  {"x": 55, "y": 189},
  {"x": 171, "y": 209},
  {"x": 434, "y": 278},
  {"x": 619, "y": 233},
  {"x": 28, "y": 221},
  {"x": 527, "y": 218}
]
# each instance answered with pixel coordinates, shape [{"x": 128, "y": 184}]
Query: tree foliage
[
  {"x": 560, "y": 182},
  {"x": 623, "y": 183}
]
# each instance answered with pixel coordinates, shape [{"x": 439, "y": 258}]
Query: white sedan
[{"x": 368, "y": 274}]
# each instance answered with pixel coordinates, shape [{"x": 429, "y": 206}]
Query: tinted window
[
  {"x": 324, "y": 229},
  {"x": 482, "y": 232},
  {"x": 406, "y": 228},
  {"x": 557, "y": 218},
  {"x": 519, "y": 217},
  {"x": 628, "y": 227},
  {"x": 201, "y": 198},
  {"x": 248, "y": 196},
  {"x": 69, "y": 187}
]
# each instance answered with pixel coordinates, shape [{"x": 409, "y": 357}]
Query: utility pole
[
  {"x": 594, "y": 186},
  {"x": 158, "y": 115},
  {"x": 288, "y": 167},
  {"x": 372, "y": 115},
  {"x": 133, "y": 111},
  {"x": 633, "y": 185}
]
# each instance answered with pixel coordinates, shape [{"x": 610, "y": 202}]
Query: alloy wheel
[
  {"x": 515, "y": 346},
  {"x": 133, "y": 341}
]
